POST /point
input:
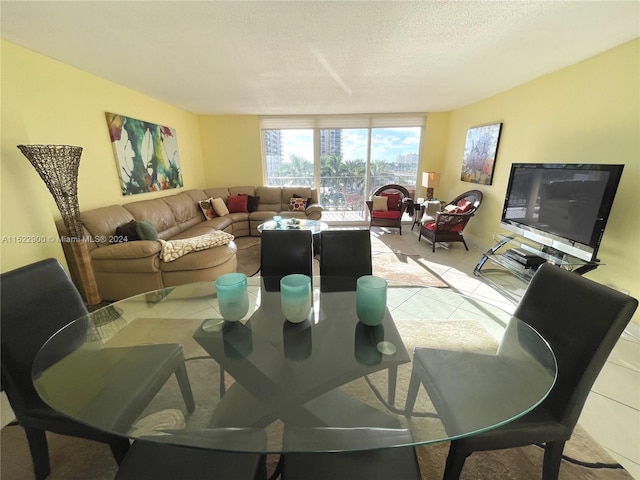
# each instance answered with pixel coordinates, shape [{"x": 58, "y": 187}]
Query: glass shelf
[{"x": 507, "y": 266}]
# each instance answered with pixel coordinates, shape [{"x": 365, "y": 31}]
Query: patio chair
[
  {"x": 387, "y": 206},
  {"x": 450, "y": 222}
]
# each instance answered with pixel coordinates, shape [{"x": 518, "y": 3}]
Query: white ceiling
[{"x": 313, "y": 57}]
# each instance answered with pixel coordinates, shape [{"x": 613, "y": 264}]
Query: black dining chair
[
  {"x": 582, "y": 321},
  {"x": 215, "y": 454},
  {"x": 284, "y": 252},
  {"x": 39, "y": 300},
  {"x": 345, "y": 255},
  {"x": 325, "y": 460}
]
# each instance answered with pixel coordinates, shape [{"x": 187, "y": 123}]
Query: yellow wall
[
  {"x": 586, "y": 113},
  {"x": 434, "y": 148},
  {"x": 48, "y": 102},
  {"x": 231, "y": 150}
]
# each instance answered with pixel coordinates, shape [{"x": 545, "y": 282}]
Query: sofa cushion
[
  {"x": 238, "y": 203},
  {"x": 102, "y": 222},
  {"x": 220, "y": 207},
  {"x": 270, "y": 199},
  {"x": 207, "y": 209},
  {"x": 183, "y": 207},
  {"x": 218, "y": 192},
  {"x": 157, "y": 212},
  {"x": 393, "y": 214}
]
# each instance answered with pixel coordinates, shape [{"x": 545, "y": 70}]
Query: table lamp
[{"x": 430, "y": 180}]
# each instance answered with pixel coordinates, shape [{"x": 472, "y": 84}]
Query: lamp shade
[{"x": 430, "y": 179}]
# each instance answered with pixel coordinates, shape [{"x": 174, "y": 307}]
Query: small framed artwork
[
  {"x": 146, "y": 154},
  {"x": 480, "y": 151}
]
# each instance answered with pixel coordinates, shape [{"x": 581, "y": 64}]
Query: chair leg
[
  {"x": 392, "y": 377},
  {"x": 39, "y": 452},
  {"x": 455, "y": 462},
  {"x": 464, "y": 243},
  {"x": 185, "y": 387},
  {"x": 412, "y": 392},
  {"x": 552, "y": 459},
  {"x": 119, "y": 448}
]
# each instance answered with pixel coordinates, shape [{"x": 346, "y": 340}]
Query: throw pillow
[
  {"x": 393, "y": 200},
  {"x": 252, "y": 203},
  {"x": 146, "y": 230},
  {"x": 126, "y": 233},
  {"x": 297, "y": 204},
  {"x": 380, "y": 204},
  {"x": 207, "y": 209},
  {"x": 238, "y": 204},
  {"x": 451, "y": 209},
  {"x": 220, "y": 207},
  {"x": 309, "y": 200},
  {"x": 464, "y": 206}
]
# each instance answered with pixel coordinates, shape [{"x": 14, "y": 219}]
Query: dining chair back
[
  {"x": 37, "y": 301},
  {"x": 373, "y": 462},
  {"x": 197, "y": 456},
  {"x": 345, "y": 255},
  {"x": 284, "y": 252},
  {"x": 581, "y": 320}
]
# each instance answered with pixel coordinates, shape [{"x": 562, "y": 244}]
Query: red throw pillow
[
  {"x": 393, "y": 200},
  {"x": 238, "y": 204},
  {"x": 464, "y": 206}
]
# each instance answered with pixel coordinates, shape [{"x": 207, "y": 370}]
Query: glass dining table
[{"x": 264, "y": 373}]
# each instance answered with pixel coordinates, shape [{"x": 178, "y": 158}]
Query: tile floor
[{"x": 612, "y": 411}]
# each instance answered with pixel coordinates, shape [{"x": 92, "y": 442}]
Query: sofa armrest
[
  {"x": 125, "y": 250},
  {"x": 314, "y": 211}
]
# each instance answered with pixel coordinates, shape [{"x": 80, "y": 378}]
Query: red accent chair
[
  {"x": 399, "y": 201},
  {"x": 452, "y": 219}
]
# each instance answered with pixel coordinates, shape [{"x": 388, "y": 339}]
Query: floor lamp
[
  {"x": 58, "y": 166},
  {"x": 430, "y": 180}
]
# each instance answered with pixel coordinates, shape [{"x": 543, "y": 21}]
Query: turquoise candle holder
[
  {"x": 295, "y": 297},
  {"x": 371, "y": 299},
  {"x": 233, "y": 298}
]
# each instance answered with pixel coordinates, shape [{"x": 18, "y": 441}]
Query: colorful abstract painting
[
  {"x": 480, "y": 152},
  {"x": 146, "y": 154}
]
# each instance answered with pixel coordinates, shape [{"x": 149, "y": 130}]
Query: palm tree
[{"x": 299, "y": 169}]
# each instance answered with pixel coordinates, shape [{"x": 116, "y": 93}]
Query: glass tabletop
[
  {"x": 294, "y": 224},
  {"x": 329, "y": 373}
]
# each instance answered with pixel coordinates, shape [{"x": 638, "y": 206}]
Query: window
[{"x": 346, "y": 157}]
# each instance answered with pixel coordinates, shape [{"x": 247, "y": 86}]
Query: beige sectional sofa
[{"x": 123, "y": 269}]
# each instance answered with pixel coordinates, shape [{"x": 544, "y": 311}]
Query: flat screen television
[{"x": 562, "y": 206}]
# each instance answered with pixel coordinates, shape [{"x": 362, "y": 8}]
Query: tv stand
[{"x": 514, "y": 256}]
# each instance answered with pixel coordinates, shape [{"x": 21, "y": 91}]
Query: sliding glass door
[{"x": 346, "y": 164}]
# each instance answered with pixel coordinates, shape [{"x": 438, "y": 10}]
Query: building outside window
[{"x": 347, "y": 160}]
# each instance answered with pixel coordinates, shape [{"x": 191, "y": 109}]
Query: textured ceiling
[{"x": 314, "y": 57}]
